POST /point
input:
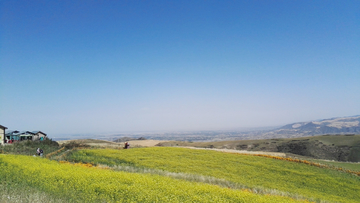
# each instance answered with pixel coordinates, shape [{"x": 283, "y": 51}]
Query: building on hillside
[
  {"x": 26, "y": 135},
  {"x": 2, "y": 134},
  {"x": 38, "y": 135},
  {"x": 14, "y": 136}
]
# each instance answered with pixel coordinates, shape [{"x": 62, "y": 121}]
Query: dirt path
[{"x": 102, "y": 143}]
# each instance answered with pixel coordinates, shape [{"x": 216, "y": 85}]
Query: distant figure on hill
[{"x": 127, "y": 145}]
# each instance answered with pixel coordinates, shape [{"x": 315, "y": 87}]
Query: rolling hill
[{"x": 330, "y": 147}]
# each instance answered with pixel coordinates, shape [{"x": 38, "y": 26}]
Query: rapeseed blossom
[{"x": 84, "y": 183}]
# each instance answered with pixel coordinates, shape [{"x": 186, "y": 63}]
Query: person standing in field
[
  {"x": 126, "y": 145},
  {"x": 39, "y": 152}
]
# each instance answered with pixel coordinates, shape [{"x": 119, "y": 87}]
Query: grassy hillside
[
  {"x": 29, "y": 147},
  {"x": 249, "y": 171},
  {"x": 331, "y": 147},
  {"x": 163, "y": 174},
  {"x": 64, "y": 182}
]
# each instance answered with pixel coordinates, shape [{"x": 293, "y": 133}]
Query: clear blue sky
[{"x": 113, "y": 66}]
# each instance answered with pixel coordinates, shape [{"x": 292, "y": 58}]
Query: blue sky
[{"x": 114, "y": 66}]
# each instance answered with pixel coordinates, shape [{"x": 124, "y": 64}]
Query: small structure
[
  {"x": 2, "y": 134},
  {"x": 26, "y": 135},
  {"x": 38, "y": 135}
]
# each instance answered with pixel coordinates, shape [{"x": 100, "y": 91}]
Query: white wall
[{"x": 2, "y": 135}]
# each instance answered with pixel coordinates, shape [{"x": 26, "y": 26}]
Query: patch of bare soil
[{"x": 145, "y": 143}]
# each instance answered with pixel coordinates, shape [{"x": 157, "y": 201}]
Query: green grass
[
  {"x": 251, "y": 171},
  {"x": 345, "y": 165}
]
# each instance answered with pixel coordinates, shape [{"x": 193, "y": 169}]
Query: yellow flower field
[
  {"x": 82, "y": 183},
  {"x": 251, "y": 171}
]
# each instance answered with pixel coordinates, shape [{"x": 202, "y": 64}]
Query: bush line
[{"x": 52, "y": 153}]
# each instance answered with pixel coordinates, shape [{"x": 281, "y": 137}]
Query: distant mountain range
[{"x": 340, "y": 125}]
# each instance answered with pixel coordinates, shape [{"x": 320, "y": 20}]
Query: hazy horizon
[{"x": 78, "y": 67}]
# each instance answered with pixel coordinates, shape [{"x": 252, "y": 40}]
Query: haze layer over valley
[{"x": 331, "y": 126}]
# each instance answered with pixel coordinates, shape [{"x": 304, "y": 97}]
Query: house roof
[
  {"x": 23, "y": 133},
  {"x": 36, "y": 132},
  {"x": 12, "y": 132},
  {"x": 1, "y": 126},
  {"x": 16, "y": 133}
]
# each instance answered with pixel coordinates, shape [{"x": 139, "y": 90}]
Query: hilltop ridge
[{"x": 339, "y": 125}]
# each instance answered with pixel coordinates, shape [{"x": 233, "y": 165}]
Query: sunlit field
[
  {"x": 64, "y": 182},
  {"x": 250, "y": 171}
]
